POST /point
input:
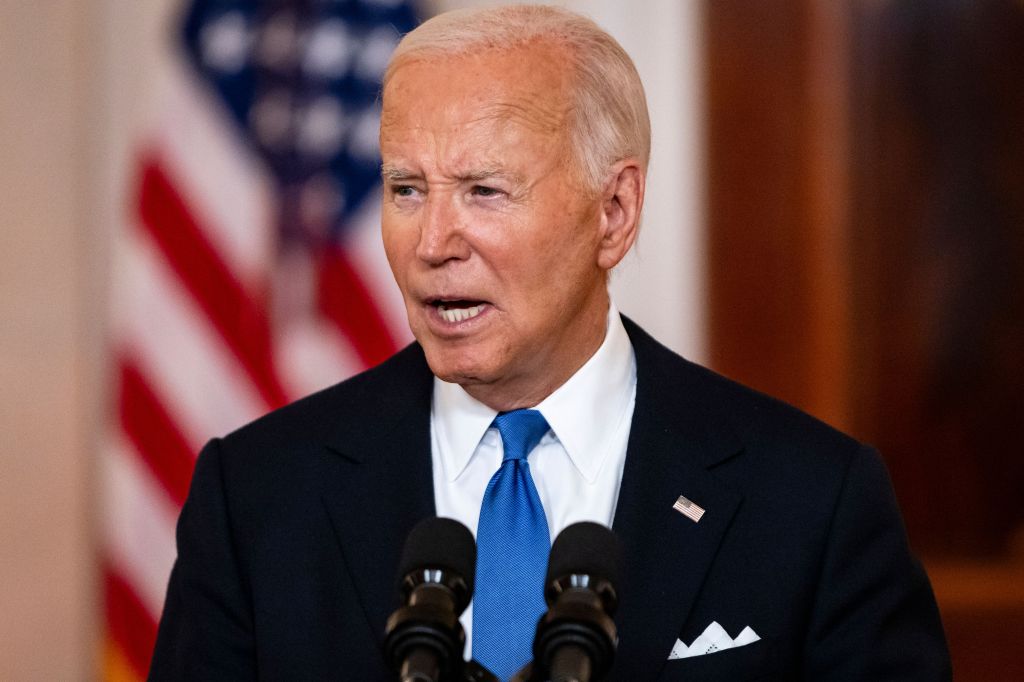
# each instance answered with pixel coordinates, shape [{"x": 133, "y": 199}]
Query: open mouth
[{"x": 458, "y": 310}]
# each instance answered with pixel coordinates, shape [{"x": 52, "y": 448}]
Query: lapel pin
[{"x": 689, "y": 509}]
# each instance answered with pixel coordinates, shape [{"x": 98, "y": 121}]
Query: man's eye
[
  {"x": 484, "y": 191},
  {"x": 403, "y": 190}
]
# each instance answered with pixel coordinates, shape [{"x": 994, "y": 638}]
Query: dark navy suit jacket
[{"x": 290, "y": 538}]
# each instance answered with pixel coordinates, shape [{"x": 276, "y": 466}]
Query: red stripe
[
  {"x": 230, "y": 308},
  {"x": 156, "y": 437},
  {"x": 128, "y": 622},
  {"x": 345, "y": 301}
]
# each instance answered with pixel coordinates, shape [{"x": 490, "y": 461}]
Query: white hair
[{"x": 609, "y": 120}]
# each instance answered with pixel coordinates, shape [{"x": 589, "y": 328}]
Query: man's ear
[{"x": 622, "y": 199}]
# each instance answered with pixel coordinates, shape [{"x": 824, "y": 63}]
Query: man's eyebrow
[
  {"x": 395, "y": 174},
  {"x": 487, "y": 173}
]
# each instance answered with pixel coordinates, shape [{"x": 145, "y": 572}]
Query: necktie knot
[{"x": 520, "y": 431}]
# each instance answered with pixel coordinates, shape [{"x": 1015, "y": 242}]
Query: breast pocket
[{"x": 756, "y": 661}]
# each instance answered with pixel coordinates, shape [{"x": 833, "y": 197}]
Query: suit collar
[
  {"x": 689, "y": 404},
  {"x": 679, "y": 431},
  {"x": 389, "y": 396}
]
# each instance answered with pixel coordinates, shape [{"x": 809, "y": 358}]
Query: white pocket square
[{"x": 714, "y": 638}]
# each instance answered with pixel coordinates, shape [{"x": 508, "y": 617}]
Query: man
[{"x": 759, "y": 543}]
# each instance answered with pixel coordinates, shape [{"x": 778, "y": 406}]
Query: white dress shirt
[{"x": 577, "y": 466}]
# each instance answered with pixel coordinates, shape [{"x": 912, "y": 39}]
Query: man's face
[{"x": 492, "y": 240}]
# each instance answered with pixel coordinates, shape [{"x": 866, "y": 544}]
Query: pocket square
[{"x": 714, "y": 638}]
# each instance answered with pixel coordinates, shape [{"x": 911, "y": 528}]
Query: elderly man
[{"x": 759, "y": 543}]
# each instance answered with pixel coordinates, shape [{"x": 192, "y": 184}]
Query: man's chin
[
  {"x": 457, "y": 366},
  {"x": 462, "y": 376}
]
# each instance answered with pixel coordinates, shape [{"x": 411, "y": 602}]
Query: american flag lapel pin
[{"x": 689, "y": 509}]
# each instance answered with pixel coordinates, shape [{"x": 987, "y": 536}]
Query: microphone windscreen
[
  {"x": 585, "y": 548},
  {"x": 437, "y": 542}
]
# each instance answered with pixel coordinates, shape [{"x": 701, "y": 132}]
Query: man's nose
[{"x": 441, "y": 233}]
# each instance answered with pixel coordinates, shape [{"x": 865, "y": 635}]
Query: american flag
[
  {"x": 248, "y": 271},
  {"x": 689, "y": 509}
]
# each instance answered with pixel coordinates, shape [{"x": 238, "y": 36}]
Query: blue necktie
[{"x": 512, "y": 552}]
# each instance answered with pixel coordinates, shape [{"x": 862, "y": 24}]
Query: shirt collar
[{"x": 583, "y": 412}]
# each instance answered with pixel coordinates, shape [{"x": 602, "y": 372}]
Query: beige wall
[
  {"x": 48, "y": 348},
  {"x": 75, "y": 79}
]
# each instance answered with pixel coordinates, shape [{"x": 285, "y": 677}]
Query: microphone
[
  {"x": 424, "y": 640},
  {"x": 576, "y": 638}
]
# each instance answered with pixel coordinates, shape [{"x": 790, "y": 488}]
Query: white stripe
[
  {"x": 312, "y": 355},
  {"x": 138, "y": 524},
  {"x": 220, "y": 177},
  {"x": 204, "y": 386}
]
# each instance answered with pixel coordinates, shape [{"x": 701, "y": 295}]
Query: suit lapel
[
  {"x": 675, "y": 437},
  {"x": 379, "y": 481}
]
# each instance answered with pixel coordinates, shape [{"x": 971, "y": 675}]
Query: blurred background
[{"x": 188, "y": 238}]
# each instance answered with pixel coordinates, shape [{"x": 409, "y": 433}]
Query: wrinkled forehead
[{"x": 528, "y": 86}]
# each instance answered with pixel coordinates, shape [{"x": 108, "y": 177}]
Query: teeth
[{"x": 459, "y": 314}]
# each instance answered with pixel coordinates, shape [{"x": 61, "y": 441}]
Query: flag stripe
[
  {"x": 233, "y": 312},
  {"x": 154, "y": 434},
  {"x": 138, "y": 524},
  {"x": 174, "y": 345},
  {"x": 314, "y": 354},
  {"x": 345, "y": 300},
  {"x": 131, "y": 628}
]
